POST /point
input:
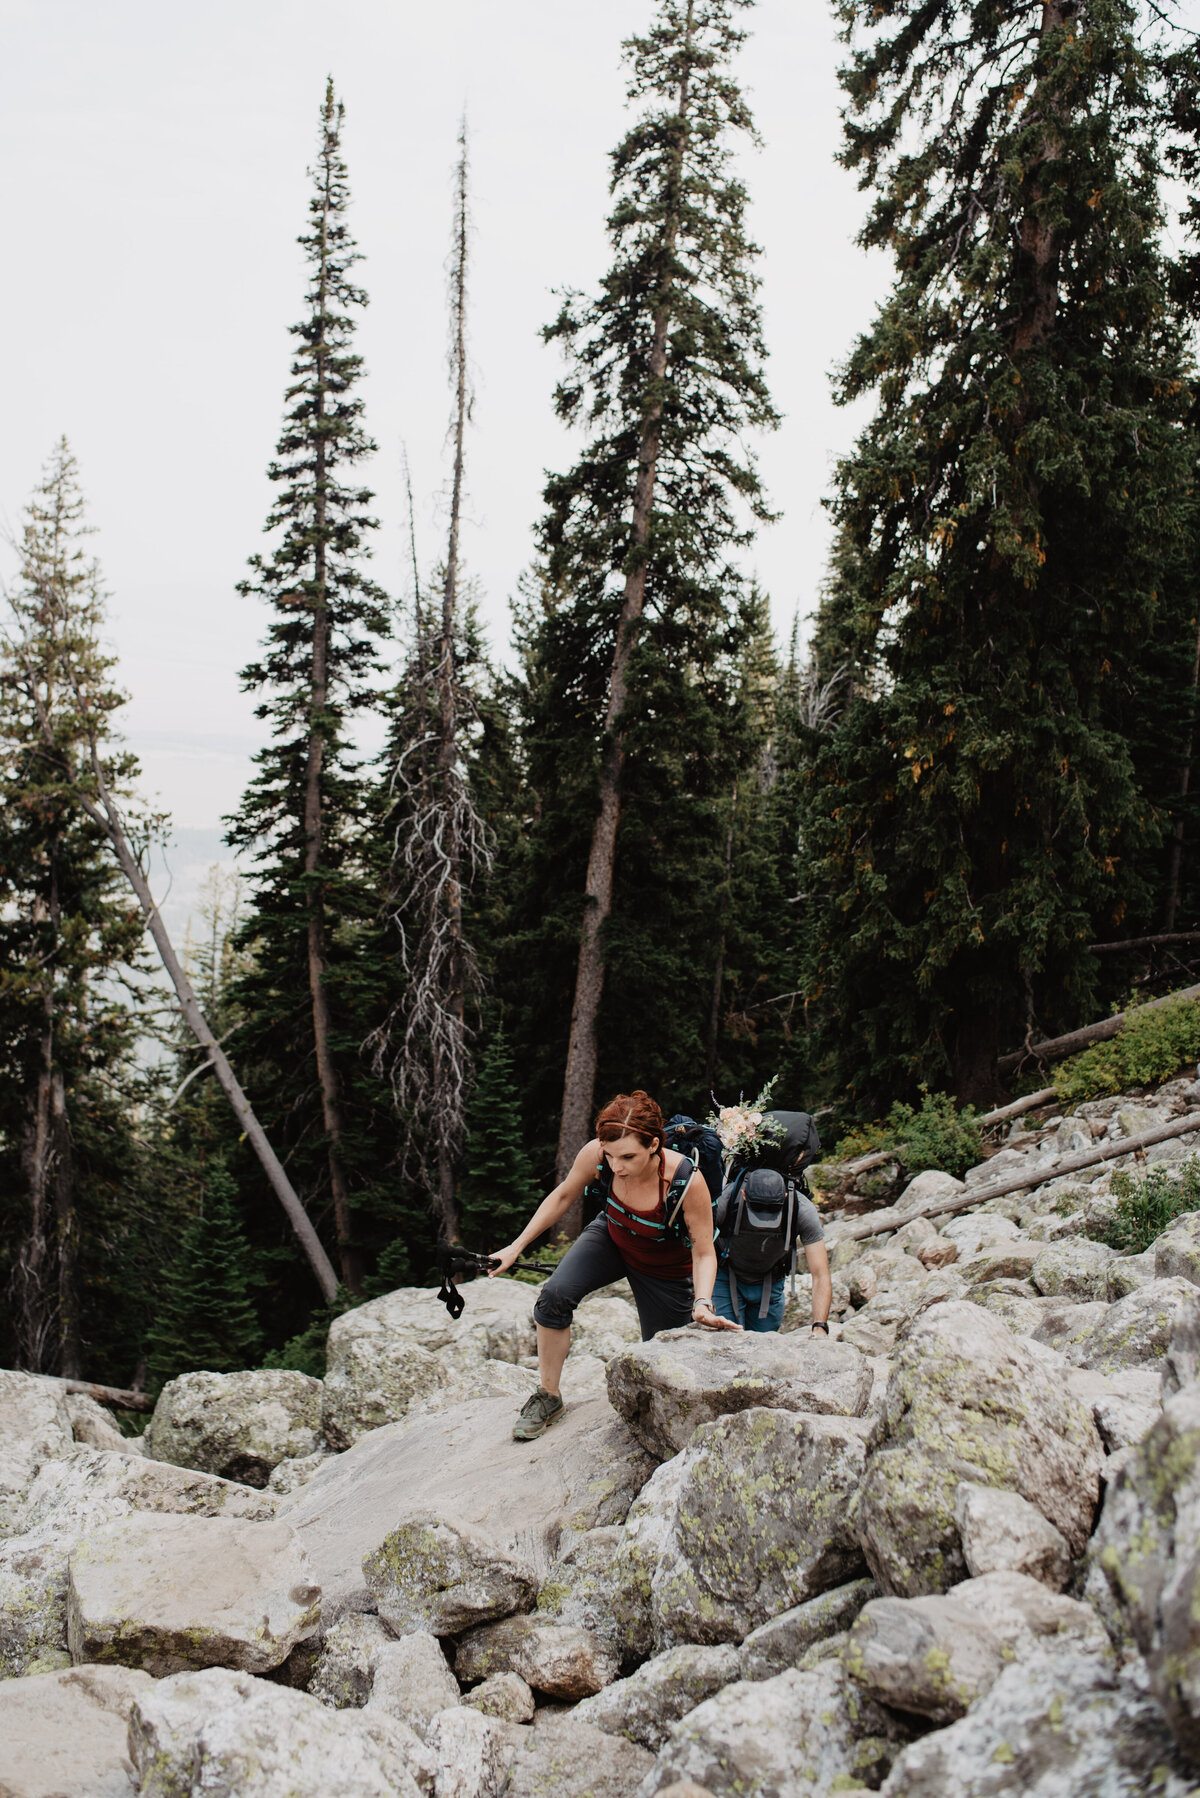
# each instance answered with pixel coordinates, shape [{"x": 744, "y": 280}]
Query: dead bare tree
[
  {"x": 439, "y": 841},
  {"x": 92, "y": 793}
]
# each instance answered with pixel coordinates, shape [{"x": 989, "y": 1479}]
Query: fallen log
[
  {"x": 967, "y": 1200},
  {"x": 1030, "y": 1102},
  {"x": 1056, "y": 1047},
  {"x": 116, "y": 1396}
]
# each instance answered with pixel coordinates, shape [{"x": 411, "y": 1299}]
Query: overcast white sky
[{"x": 152, "y": 166}]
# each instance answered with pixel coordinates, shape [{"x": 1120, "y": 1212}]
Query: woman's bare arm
[
  {"x": 554, "y": 1206},
  {"x": 697, "y": 1214}
]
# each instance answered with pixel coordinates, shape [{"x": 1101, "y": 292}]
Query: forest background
[{"x": 653, "y": 838}]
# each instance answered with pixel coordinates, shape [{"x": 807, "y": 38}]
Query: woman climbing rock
[{"x": 654, "y": 1229}]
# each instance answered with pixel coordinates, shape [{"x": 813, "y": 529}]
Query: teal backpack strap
[{"x": 680, "y": 1182}]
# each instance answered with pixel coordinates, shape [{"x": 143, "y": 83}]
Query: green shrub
[
  {"x": 305, "y": 1353},
  {"x": 936, "y": 1135},
  {"x": 1153, "y": 1045},
  {"x": 1147, "y": 1205}
]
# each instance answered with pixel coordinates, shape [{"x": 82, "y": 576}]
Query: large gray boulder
[
  {"x": 343, "y": 1671},
  {"x": 1124, "y": 1404},
  {"x": 94, "y": 1427},
  {"x": 471, "y": 1752},
  {"x": 563, "y": 1662},
  {"x": 968, "y": 1400},
  {"x": 1026, "y": 1615},
  {"x": 644, "y": 1706},
  {"x": 1002, "y": 1532},
  {"x": 221, "y": 1734},
  {"x": 69, "y": 1497},
  {"x": 604, "y": 1325},
  {"x": 402, "y": 1347},
  {"x": 463, "y": 1467},
  {"x": 798, "y": 1735},
  {"x": 237, "y": 1425},
  {"x": 441, "y": 1577},
  {"x": 1177, "y": 1251},
  {"x": 589, "y": 1585},
  {"x": 925, "y": 1655},
  {"x": 1137, "y": 1329},
  {"x": 780, "y": 1642},
  {"x": 411, "y": 1680},
  {"x": 1148, "y": 1543},
  {"x": 1052, "y": 1726},
  {"x": 760, "y": 1522},
  {"x": 562, "y": 1758},
  {"x": 928, "y": 1188},
  {"x": 503, "y": 1695},
  {"x": 666, "y": 1387},
  {"x": 65, "y": 1733},
  {"x": 34, "y": 1427},
  {"x": 1076, "y": 1269},
  {"x": 171, "y": 1593}
]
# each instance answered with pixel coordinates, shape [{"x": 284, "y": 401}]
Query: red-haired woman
[{"x": 654, "y": 1229}]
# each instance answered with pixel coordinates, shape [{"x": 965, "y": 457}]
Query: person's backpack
[
  {"x": 756, "y": 1219},
  {"x": 702, "y": 1146}
]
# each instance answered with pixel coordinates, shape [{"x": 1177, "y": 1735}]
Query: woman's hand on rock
[{"x": 711, "y": 1319}]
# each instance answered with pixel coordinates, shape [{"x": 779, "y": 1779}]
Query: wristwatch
[{"x": 818, "y": 1325}]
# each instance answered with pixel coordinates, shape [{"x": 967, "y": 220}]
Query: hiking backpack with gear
[
  {"x": 756, "y": 1219},
  {"x": 702, "y": 1146}
]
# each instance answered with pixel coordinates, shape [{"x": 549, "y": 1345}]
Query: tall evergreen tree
[
  {"x": 630, "y": 665},
  {"x": 498, "y": 1190},
  {"x": 1010, "y": 527},
  {"x": 69, "y": 936},
  {"x": 205, "y": 1317},
  {"x": 300, "y": 812}
]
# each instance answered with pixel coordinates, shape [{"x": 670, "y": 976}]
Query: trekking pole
[{"x": 454, "y": 1261}]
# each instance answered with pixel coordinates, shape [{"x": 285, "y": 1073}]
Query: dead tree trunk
[
  {"x": 579, "y": 1081},
  {"x": 314, "y": 891},
  {"x": 1056, "y": 1047},
  {"x": 449, "y": 1078},
  {"x": 106, "y": 815}
]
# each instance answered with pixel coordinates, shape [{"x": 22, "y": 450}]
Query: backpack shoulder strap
[{"x": 680, "y": 1181}]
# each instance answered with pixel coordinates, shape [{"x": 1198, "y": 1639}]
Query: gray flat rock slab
[{"x": 464, "y": 1466}]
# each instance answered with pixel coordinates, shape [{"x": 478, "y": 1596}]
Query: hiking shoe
[{"x": 539, "y": 1411}]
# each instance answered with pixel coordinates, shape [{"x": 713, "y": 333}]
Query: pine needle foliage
[
  {"x": 1010, "y": 526},
  {"x": 206, "y": 1318},
  {"x": 498, "y": 1191},
  {"x": 73, "y": 999},
  {"x": 305, "y": 809},
  {"x": 633, "y": 627}
]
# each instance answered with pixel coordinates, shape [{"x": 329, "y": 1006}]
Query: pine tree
[
  {"x": 69, "y": 937},
  {"x": 302, "y": 812},
  {"x": 1008, "y": 527},
  {"x": 630, "y": 664},
  {"x": 498, "y": 1190},
  {"x": 206, "y": 1319}
]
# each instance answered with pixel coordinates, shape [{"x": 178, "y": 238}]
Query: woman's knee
[{"x": 554, "y": 1310}]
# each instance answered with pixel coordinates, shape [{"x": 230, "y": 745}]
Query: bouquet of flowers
[{"x": 745, "y": 1130}]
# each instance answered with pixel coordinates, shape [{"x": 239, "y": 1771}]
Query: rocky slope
[{"x": 955, "y": 1549}]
